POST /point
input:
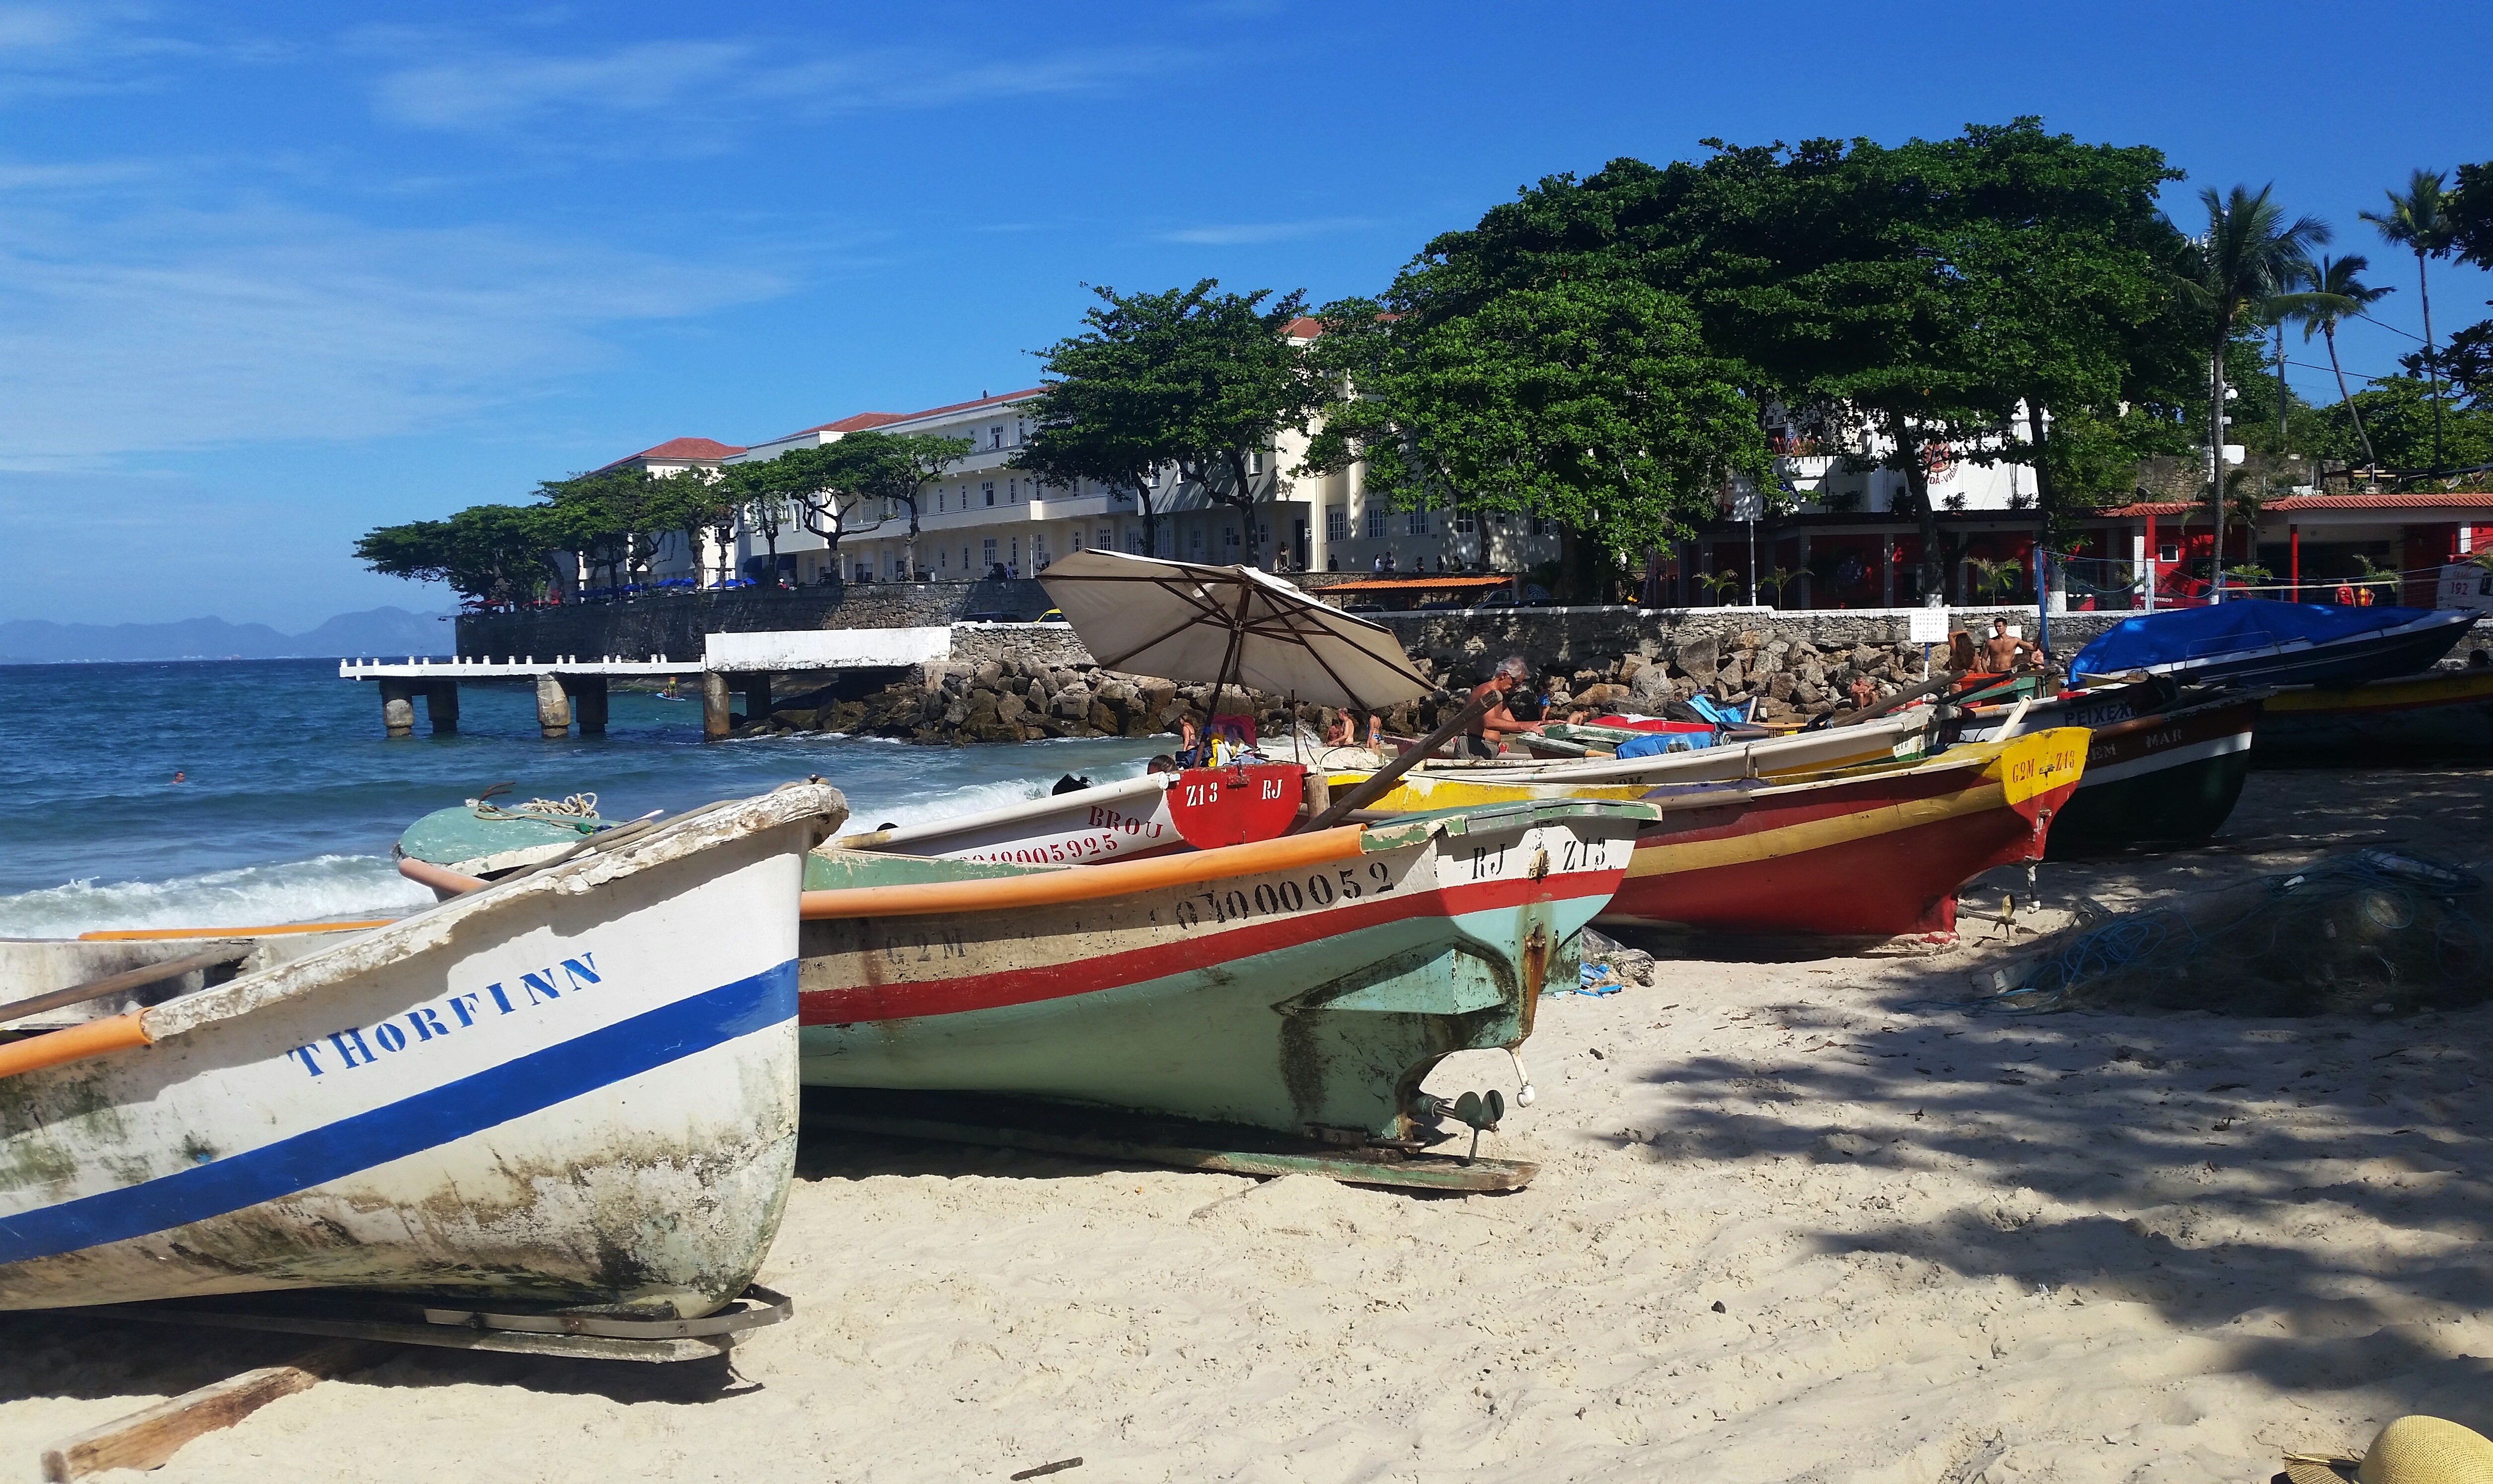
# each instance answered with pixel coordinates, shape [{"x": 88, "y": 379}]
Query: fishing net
[{"x": 2375, "y": 931}]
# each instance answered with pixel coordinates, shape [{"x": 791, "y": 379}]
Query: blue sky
[{"x": 269, "y": 277}]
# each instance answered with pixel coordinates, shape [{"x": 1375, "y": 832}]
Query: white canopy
[{"x": 1192, "y": 623}]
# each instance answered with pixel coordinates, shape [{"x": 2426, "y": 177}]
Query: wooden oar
[
  {"x": 272, "y": 930},
  {"x": 128, "y": 979}
]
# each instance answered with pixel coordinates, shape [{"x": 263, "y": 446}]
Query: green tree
[
  {"x": 805, "y": 487},
  {"x": 892, "y": 469},
  {"x": 2419, "y": 223},
  {"x": 493, "y": 553},
  {"x": 613, "y": 517},
  {"x": 2245, "y": 258},
  {"x": 2334, "y": 291},
  {"x": 2062, "y": 250},
  {"x": 2398, "y": 412},
  {"x": 1190, "y": 378},
  {"x": 1593, "y": 402}
]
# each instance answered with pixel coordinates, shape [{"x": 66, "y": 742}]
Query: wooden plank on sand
[{"x": 146, "y": 1440}]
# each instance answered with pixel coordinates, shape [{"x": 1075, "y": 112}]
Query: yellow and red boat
[{"x": 1870, "y": 852}]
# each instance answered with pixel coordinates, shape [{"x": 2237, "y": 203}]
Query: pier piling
[
  {"x": 397, "y": 708},
  {"x": 714, "y": 712},
  {"x": 587, "y": 695},
  {"x": 553, "y": 708},
  {"x": 441, "y": 706},
  {"x": 755, "y": 687}
]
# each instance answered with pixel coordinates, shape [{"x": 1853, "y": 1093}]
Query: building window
[
  {"x": 1375, "y": 522},
  {"x": 1194, "y": 541},
  {"x": 1167, "y": 542},
  {"x": 1338, "y": 522},
  {"x": 1229, "y": 535},
  {"x": 1107, "y": 537},
  {"x": 939, "y": 494},
  {"x": 1077, "y": 535},
  {"x": 1415, "y": 522},
  {"x": 1134, "y": 540},
  {"x": 990, "y": 486},
  {"x": 1012, "y": 491},
  {"x": 987, "y": 547},
  {"x": 1255, "y": 460},
  {"x": 1542, "y": 525},
  {"x": 1013, "y": 564},
  {"x": 995, "y": 435},
  {"x": 1464, "y": 525},
  {"x": 1264, "y": 533}
]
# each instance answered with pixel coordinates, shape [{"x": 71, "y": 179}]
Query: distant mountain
[{"x": 378, "y": 631}]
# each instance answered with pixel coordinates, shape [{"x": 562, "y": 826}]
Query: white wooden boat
[
  {"x": 573, "y": 1089},
  {"x": 1901, "y": 737},
  {"x": 1199, "y": 808}
]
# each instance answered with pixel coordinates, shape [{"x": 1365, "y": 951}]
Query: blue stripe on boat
[{"x": 528, "y": 1085}]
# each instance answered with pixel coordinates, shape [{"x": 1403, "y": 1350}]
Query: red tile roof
[
  {"x": 1304, "y": 328},
  {"x": 2298, "y": 502},
  {"x": 863, "y": 420},
  {"x": 680, "y": 450}
]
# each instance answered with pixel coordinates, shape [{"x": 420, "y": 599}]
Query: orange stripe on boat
[
  {"x": 1082, "y": 883},
  {"x": 75, "y": 1043},
  {"x": 274, "y": 930}
]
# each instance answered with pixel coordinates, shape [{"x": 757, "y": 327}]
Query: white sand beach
[{"x": 1793, "y": 1222}]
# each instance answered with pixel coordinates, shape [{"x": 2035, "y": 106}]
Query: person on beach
[
  {"x": 2001, "y": 651},
  {"x": 1494, "y": 725},
  {"x": 1189, "y": 744},
  {"x": 1342, "y": 730}
]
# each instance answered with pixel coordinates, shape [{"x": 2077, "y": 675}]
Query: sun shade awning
[{"x": 1194, "y": 623}]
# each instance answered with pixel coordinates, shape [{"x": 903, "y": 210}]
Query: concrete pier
[
  {"x": 716, "y": 720},
  {"x": 554, "y": 707},
  {"x": 441, "y": 706},
  {"x": 756, "y": 691},
  {"x": 587, "y": 693},
  {"x": 398, "y": 707}
]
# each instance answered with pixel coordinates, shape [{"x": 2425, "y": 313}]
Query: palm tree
[
  {"x": 2334, "y": 291},
  {"x": 2419, "y": 223},
  {"x": 2245, "y": 260}
]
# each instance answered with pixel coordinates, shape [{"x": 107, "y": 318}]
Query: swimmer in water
[{"x": 181, "y": 778}]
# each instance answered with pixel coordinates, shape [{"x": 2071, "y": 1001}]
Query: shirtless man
[
  {"x": 2000, "y": 652},
  {"x": 1497, "y": 723}
]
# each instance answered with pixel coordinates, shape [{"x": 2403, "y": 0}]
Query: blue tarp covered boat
[{"x": 2258, "y": 642}]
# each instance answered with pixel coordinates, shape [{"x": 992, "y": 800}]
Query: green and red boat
[
  {"x": 2165, "y": 763},
  {"x": 1303, "y": 986}
]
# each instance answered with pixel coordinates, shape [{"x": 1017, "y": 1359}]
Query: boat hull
[
  {"x": 1199, "y": 808},
  {"x": 2161, "y": 767},
  {"x": 574, "y": 1090},
  {"x": 1873, "y": 856},
  {"x": 2171, "y": 777},
  {"x": 1316, "y": 997},
  {"x": 2351, "y": 660},
  {"x": 2441, "y": 716}
]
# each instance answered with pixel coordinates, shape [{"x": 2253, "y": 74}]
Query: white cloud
[
  {"x": 691, "y": 83},
  {"x": 1234, "y": 235},
  {"x": 187, "y": 330}
]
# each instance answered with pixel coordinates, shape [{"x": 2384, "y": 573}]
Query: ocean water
[{"x": 293, "y": 794}]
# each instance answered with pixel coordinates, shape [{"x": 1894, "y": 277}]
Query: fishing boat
[
  {"x": 1872, "y": 854},
  {"x": 1197, "y": 809},
  {"x": 1880, "y": 740},
  {"x": 2257, "y": 641},
  {"x": 574, "y": 1090},
  {"x": 1306, "y": 985},
  {"x": 2446, "y": 716},
  {"x": 2165, "y": 765}
]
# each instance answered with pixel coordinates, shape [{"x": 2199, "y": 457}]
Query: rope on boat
[{"x": 572, "y": 808}]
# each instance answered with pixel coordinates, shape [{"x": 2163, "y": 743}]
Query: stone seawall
[{"x": 1007, "y": 683}]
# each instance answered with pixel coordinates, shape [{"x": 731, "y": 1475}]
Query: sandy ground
[{"x": 1794, "y": 1223}]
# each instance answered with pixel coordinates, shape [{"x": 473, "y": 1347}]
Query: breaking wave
[{"x": 314, "y": 890}]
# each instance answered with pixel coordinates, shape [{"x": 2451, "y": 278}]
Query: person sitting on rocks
[{"x": 1494, "y": 724}]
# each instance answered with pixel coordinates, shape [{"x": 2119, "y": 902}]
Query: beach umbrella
[{"x": 1194, "y": 623}]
